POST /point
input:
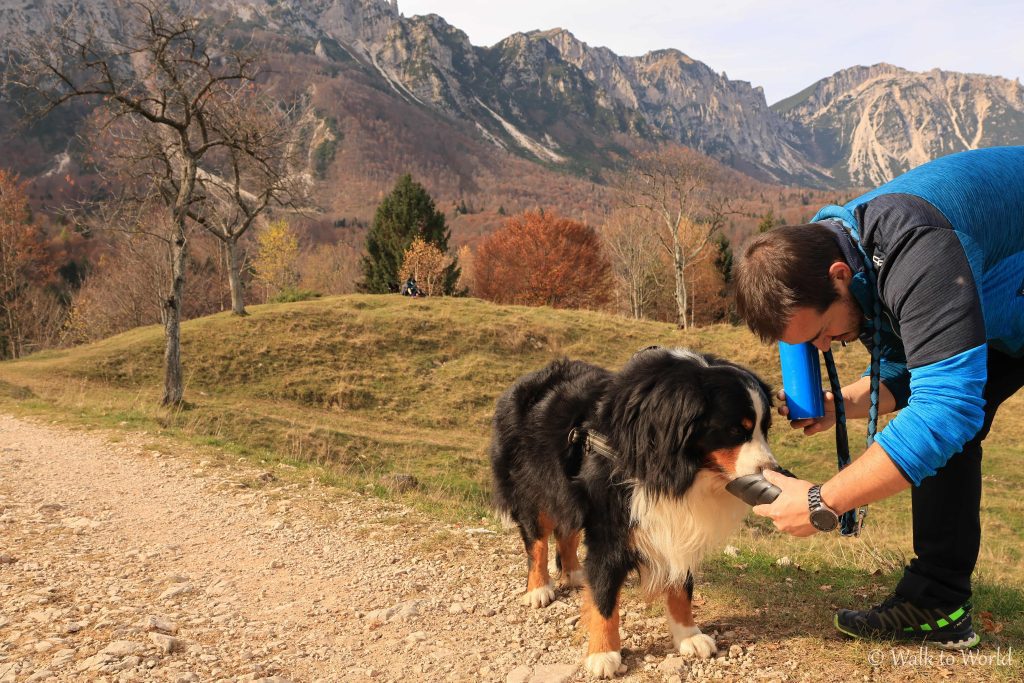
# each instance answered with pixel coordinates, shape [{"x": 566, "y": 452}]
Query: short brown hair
[{"x": 784, "y": 269}]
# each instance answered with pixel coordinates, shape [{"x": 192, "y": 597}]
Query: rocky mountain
[
  {"x": 868, "y": 124},
  {"x": 564, "y": 106},
  {"x": 554, "y": 98}
]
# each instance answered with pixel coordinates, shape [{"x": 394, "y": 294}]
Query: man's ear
[{"x": 840, "y": 271}]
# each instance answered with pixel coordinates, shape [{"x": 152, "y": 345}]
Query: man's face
[{"x": 839, "y": 322}]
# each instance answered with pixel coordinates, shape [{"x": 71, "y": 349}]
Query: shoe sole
[{"x": 971, "y": 641}]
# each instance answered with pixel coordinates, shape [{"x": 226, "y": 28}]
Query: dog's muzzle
[{"x": 754, "y": 489}]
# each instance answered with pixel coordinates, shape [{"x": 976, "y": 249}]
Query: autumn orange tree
[
  {"x": 425, "y": 263},
  {"x": 538, "y": 259},
  {"x": 24, "y": 268}
]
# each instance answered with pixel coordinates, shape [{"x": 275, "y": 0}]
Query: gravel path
[{"x": 120, "y": 563}]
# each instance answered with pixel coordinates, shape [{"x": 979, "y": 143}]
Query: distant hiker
[
  {"x": 936, "y": 258},
  {"x": 410, "y": 288}
]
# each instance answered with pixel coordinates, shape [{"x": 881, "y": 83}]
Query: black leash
[{"x": 851, "y": 521}]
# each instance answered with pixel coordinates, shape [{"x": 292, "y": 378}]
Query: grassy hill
[{"x": 355, "y": 389}]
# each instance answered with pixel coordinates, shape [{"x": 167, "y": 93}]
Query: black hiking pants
[{"x": 946, "y": 508}]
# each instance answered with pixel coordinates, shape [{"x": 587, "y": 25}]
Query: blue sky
[{"x": 781, "y": 45}]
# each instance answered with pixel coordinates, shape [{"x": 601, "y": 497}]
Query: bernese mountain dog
[{"x": 637, "y": 461}]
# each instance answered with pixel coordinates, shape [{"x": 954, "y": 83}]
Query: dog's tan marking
[
  {"x": 602, "y": 634},
  {"x": 539, "y": 576},
  {"x": 687, "y": 639},
  {"x": 747, "y": 423},
  {"x": 679, "y": 606},
  {"x": 725, "y": 459},
  {"x": 571, "y": 569}
]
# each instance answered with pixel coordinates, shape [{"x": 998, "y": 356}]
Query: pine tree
[
  {"x": 768, "y": 222},
  {"x": 723, "y": 257},
  {"x": 405, "y": 214}
]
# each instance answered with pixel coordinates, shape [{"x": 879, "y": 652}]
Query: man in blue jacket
[{"x": 945, "y": 243}]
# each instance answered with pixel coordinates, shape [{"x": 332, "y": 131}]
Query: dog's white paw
[
  {"x": 604, "y": 664},
  {"x": 540, "y": 597},
  {"x": 698, "y": 645},
  {"x": 573, "y": 579}
]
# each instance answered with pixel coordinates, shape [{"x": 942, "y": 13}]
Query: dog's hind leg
[
  {"x": 540, "y": 592},
  {"x": 687, "y": 639},
  {"x": 571, "y": 573}
]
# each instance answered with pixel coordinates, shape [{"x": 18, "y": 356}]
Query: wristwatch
[{"x": 823, "y": 517}]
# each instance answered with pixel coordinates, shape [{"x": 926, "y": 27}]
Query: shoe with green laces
[{"x": 898, "y": 619}]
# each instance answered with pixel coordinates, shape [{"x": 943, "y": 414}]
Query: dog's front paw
[
  {"x": 604, "y": 664},
  {"x": 573, "y": 579},
  {"x": 540, "y": 597},
  {"x": 696, "y": 644}
]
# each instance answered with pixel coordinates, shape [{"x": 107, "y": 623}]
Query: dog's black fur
[{"x": 666, "y": 414}]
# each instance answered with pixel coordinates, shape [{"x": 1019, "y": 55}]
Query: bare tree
[
  {"x": 632, "y": 245},
  {"x": 167, "y": 93},
  {"x": 124, "y": 287},
  {"x": 680, "y": 189},
  {"x": 244, "y": 180},
  {"x": 330, "y": 268}
]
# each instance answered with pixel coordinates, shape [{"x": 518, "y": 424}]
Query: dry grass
[{"x": 355, "y": 388}]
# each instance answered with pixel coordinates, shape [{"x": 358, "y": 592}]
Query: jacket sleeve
[{"x": 927, "y": 282}]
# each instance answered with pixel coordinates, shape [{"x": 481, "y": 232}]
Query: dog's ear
[
  {"x": 654, "y": 417},
  {"x": 761, "y": 384}
]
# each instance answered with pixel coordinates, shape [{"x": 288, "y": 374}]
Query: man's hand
[
  {"x": 811, "y": 425},
  {"x": 789, "y": 511}
]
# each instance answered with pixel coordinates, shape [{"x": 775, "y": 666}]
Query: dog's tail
[
  {"x": 501, "y": 495},
  {"x": 505, "y": 518}
]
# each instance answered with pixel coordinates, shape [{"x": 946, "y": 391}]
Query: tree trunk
[
  {"x": 235, "y": 276},
  {"x": 12, "y": 334},
  {"x": 691, "y": 306},
  {"x": 680, "y": 268},
  {"x": 173, "y": 387}
]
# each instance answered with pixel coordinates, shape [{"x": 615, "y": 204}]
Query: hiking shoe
[{"x": 897, "y": 619}]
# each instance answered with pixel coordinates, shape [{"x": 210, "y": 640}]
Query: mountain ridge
[{"x": 550, "y": 98}]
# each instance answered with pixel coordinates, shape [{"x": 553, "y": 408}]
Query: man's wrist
[
  {"x": 831, "y": 498},
  {"x": 822, "y": 517}
]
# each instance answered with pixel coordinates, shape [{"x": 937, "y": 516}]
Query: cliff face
[
  {"x": 868, "y": 124},
  {"x": 556, "y": 98},
  {"x": 551, "y": 98}
]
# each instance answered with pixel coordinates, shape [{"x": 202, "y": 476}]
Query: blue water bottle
[{"x": 801, "y": 379}]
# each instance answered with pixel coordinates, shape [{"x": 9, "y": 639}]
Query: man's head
[{"x": 793, "y": 284}]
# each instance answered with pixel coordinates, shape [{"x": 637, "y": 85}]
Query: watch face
[{"x": 824, "y": 520}]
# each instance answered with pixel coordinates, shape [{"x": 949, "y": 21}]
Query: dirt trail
[{"x": 119, "y": 563}]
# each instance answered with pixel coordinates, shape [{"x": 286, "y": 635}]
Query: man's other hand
[{"x": 811, "y": 425}]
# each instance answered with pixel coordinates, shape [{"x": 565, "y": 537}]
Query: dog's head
[{"x": 671, "y": 413}]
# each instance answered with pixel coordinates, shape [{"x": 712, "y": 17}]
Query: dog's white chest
[{"x": 673, "y": 534}]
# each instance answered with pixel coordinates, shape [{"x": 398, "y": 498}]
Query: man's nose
[{"x": 823, "y": 343}]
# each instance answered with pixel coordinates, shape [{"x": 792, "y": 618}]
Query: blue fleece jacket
[{"x": 947, "y": 241}]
